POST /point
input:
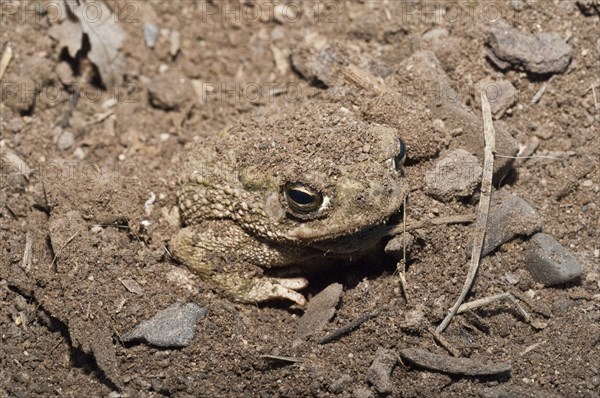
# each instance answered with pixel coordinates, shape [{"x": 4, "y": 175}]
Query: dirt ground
[{"x": 83, "y": 230}]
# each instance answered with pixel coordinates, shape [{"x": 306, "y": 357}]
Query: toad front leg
[{"x": 226, "y": 258}]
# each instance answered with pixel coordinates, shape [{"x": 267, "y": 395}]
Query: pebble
[
  {"x": 65, "y": 140},
  {"x": 169, "y": 92},
  {"x": 150, "y": 34},
  {"x": 501, "y": 94},
  {"x": 319, "y": 311},
  {"x": 170, "y": 328},
  {"x": 517, "y": 5},
  {"x": 175, "y": 40},
  {"x": 549, "y": 262},
  {"x": 78, "y": 153},
  {"x": 511, "y": 279},
  {"x": 395, "y": 247},
  {"x": 380, "y": 370},
  {"x": 542, "y": 53},
  {"x": 509, "y": 216},
  {"x": 454, "y": 176}
]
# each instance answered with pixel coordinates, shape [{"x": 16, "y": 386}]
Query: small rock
[
  {"x": 549, "y": 262},
  {"x": 395, "y": 247},
  {"x": 509, "y": 216},
  {"x": 544, "y": 134},
  {"x": 542, "y": 53},
  {"x": 78, "y": 153},
  {"x": 150, "y": 34},
  {"x": 528, "y": 149},
  {"x": 362, "y": 392},
  {"x": 435, "y": 36},
  {"x": 381, "y": 369},
  {"x": 456, "y": 175},
  {"x": 589, "y": 7},
  {"x": 170, "y": 328},
  {"x": 501, "y": 94},
  {"x": 319, "y": 311},
  {"x": 414, "y": 320},
  {"x": 169, "y": 92},
  {"x": 175, "y": 39},
  {"x": 65, "y": 140},
  {"x": 96, "y": 229},
  {"x": 511, "y": 279},
  {"x": 339, "y": 385},
  {"x": 517, "y": 5}
]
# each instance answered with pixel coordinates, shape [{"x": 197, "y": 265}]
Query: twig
[
  {"x": 346, "y": 329},
  {"x": 441, "y": 340},
  {"x": 484, "y": 207},
  {"x": 459, "y": 219},
  {"x": 402, "y": 269},
  {"x": 488, "y": 300},
  {"x": 532, "y": 347},
  {"x": 60, "y": 340},
  {"x": 26, "y": 263},
  {"x": 283, "y": 359},
  {"x": 63, "y": 246},
  {"x": 541, "y": 91},
  {"x": 6, "y": 57}
]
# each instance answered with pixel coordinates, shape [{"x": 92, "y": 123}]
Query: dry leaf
[
  {"x": 93, "y": 18},
  {"x": 68, "y": 34},
  {"x": 105, "y": 36}
]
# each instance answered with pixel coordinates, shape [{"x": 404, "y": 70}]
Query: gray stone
[
  {"x": 509, "y": 217},
  {"x": 549, "y": 262},
  {"x": 541, "y": 53},
  {"x": 170, "y": 328},
  {"x": 435, "y": 35},
  {"x": 381, "y": 369},
  {"x": 500, "y": 93},
  {"x": 319, "y": 311},
  {"x": 65, "y": 140},
  {"x": 395, "y": 247},
  {"x": 456, "y": 175},
  {"x": 150, "y": 34},
  {"x": 170, "y": 92}
]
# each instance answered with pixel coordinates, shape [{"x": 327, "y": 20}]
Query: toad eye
[
  {"x": 400, "y": 157},
  {"x": 302, "y": 199}
]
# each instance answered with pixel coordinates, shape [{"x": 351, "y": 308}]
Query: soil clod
[{"x": 381, "y": 369}]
